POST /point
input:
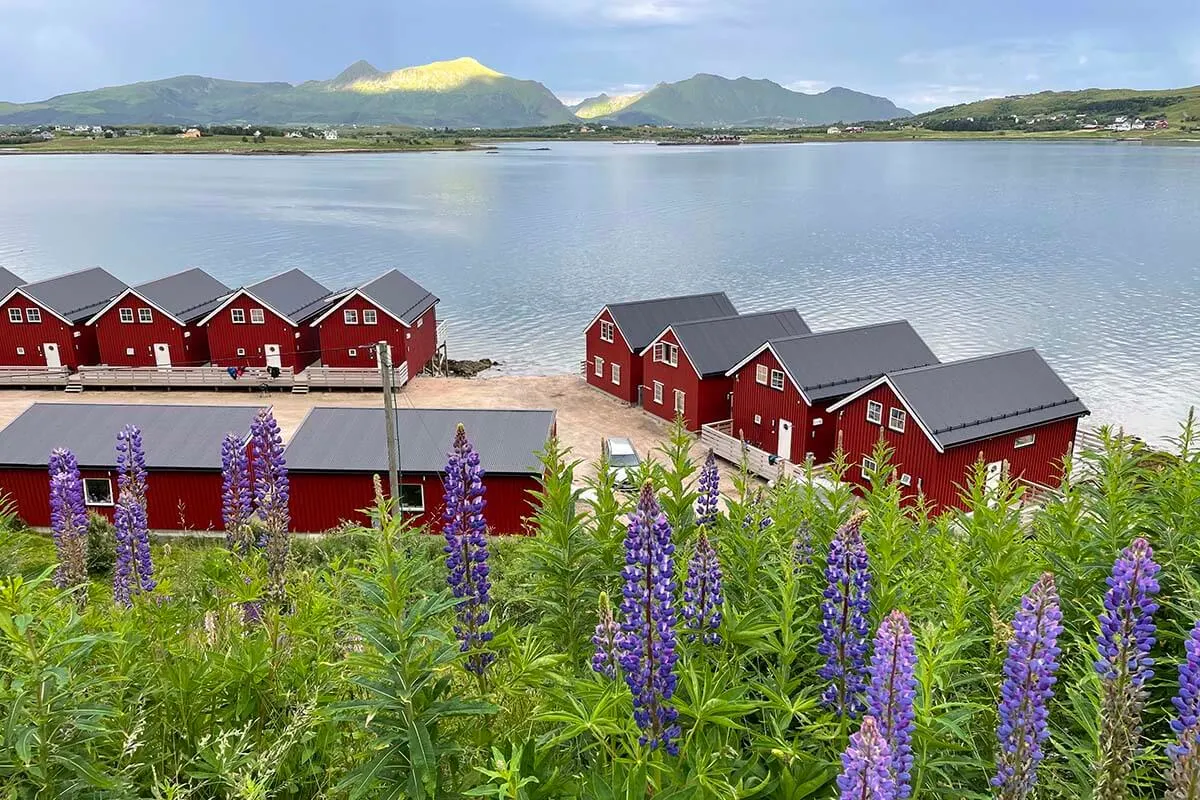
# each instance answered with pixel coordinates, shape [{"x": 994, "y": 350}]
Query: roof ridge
[
  {"x": 871, "y": 376},
  {"x": 868, "y": 326},
  {"x": 665, "y": 299},
  {"x": 736, "y": 316},
  {"x": 68, "y": 275},
  {"x": 970, "y": 360},
  {"x": 279, "y": 274}
]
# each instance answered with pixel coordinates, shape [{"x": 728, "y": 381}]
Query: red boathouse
[
  {"x": 392, "y": 308},
  {"x": 44, "y": 324},
  {"x": 264, "y": 325},
  {"x": 155, "y": 324},
  {"x": 616, "y": 337},
  {"x": 1011, "y": 410},
  {"x": 183, "y": 458},
  {"x": 684, "y": 367},
  {"x": 782, "y": 391},
  {"x": 335, "y": 452}
]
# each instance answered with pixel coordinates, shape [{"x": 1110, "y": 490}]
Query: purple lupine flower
[
  {"x": 68, "y": 520},
  {"x": 606, "y": 659},
  {"x": 1028, "y": 686},
  {"x": 866, "y": 766},
  {"x": 131, "y": 462},
  {"x": 235, "y": 494},
  {"x": 702, "y": 598},
  {"x": 467, "y": 551},
  {"x": 271, "y": 492},
  {"x": 802, "y": 550},
  {"x": 1126, "y": 638},
  {"x": 844, "y": 626},
  {"x": 1187, "y": 702},
  {"x": 133, "y": 571},
  {"x": 757, "y": 509},
  {"x": 1183, "y": 776},
  {"x": 891, "y": 693},
  {"x": 647, "y": 643},
  {"x": 710, "y": 492}
]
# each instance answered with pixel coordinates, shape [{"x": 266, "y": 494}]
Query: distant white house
[
  {"x": 331, "y": 135},
  {"x": 45, "y": 136},
  {"x": 833, "y": 129},
  {"x": 97, "y": 130},
  {"x": 293, "y": 135}
]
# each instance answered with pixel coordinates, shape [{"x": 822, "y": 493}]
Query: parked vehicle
[{"x": 623, "y": 459}]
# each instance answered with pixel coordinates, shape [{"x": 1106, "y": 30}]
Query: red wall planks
[{"x": 629, "y": 364}]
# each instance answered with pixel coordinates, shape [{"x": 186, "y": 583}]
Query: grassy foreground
[{"x": 272, "y": 145}]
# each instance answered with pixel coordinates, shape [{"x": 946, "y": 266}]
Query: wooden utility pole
[{"x": 384, "y": 357}]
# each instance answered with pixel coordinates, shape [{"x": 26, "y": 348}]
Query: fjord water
[{"x": 1089, "y": 252}]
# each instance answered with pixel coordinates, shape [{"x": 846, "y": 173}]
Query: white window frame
[
  {"x": 1026, "y": 440},
  {"x": 615, "y": 370},
  {"x": 777, "y": 380},
  {"x": 867, "y": 467},
  {"x": 125, "y": 315},
  {"x": 241, "y": 352},
  {"x": 14, "y": 316},
  {"x": 145, "y": 316},
  {"x": 905, "y": 479},
  {"x": 762, "y": 374},
  {"x": 897, "y": 418},
  {"x": 680, "y": 401},
  {"x": 672, "y": 355},
  {"x": 413, "y": 509},
  {"x": 874, "y": 412},
  {"x": 87, "y": 497},
  {"x": 350, "y": 316},
  {"x": 20, "y": 351},
  {"x": 258, "y": 316},
  {"x": 420, "y": 321},
  {"x": 236, "y": 315},
  {"x": 370, "y": 316},
  {"x": 606, "y": 331},
  {"x": 598, "y": 366},
  {"x": 352, "y": 352},
  {"x": 658, "y": 354},
  {"x": 658, "y": 392},
  {"x": 33, "y": 315}
]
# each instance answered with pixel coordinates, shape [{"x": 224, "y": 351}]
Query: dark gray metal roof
[
  {"x": 175, "y": 437},
  {"x": 8, "y": 281},
  {"x": 353, "y": 439},
  {"x": 399, "y": 294},
  {"x": 187, "y": 295},
  {"x": 641, "y": 320},
  {"x": 294, "y": 294},
  {"x": 77, "y": 295},
  {"x": 832, "y": 364},
  {"x": 714, "y": 346},
  {"x": 964, "y": 401}
]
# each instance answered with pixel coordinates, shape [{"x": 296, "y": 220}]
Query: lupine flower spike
[
  {"x": 606, "y": 659},
  {"x": 648, "y": 651},
  {"x": 1187, "y": 702},
  {"x": 1183, "y": 776},
  {"x": 844, "y": 626},
  {"x": 271, "y": 492},
  {"x": 131, "y": 463},
  {"x": 235, "y": 494},
  {"x": 866, "y": 766},
  {"x": 68, "y": 520},
  {"x": 1126, "y": 638},
  {"x": 702, "y": 598},
  {"x": 133, "y": 570},
  {"x": 710, "y": 492},
  {"x": 1028, "y": 686},
  {"x": 891, "y": 693},
  {"x": 802, "y": 550},
  {"x": 467, "y": 552}
]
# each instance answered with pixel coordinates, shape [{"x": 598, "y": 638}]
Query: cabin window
[
  {"x": 896, "y": 419},
  {"x": 760, "y": 374},
  {"x": 236, "y": 315},
  {"x": 874, "y": 412},
  {"x": 1024, "y": 441},
  {"x": 412, "y": 497},
  {"x": 680, "y": 401},
  {"x": 350, "y": 316},
  {"x": 658, "y": 392},
  {"x": 672, "y": 355},
  {"x": 616, "y": 374},
  {"x": 420, "y": 321},
  {"x": 126, "y": 314},
  {"x": 129, "y": 351},
  {"x": 257, "y": 317},
  {"x": 906, "y": 479},
  {"x": 777, "y": 380},
  {"x": 20, "y": 351},
  {"x": 659, "y": 349},
  {"x": 241, "y": 351},
  {"x": 758, "y": 419},
  {"x": 352, "y": 352},
  {"x": 97, "y": 491},
  {"x": 14, "y": 315},
  {"x": 599, "y": 367},
  {"x": 370, "y": 316},
  {"x": 606, "y": 331},
  {"x": 145, "y": 315},
  {"x": 868, "y": 468},
  {"x": 33, "y": 315}
]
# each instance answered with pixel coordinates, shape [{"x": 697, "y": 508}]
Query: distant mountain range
[
  {"x": 461, "y": 93},
  {"x": 1177, "y": 104}
]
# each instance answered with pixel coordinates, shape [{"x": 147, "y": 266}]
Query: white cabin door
[
  {"x": 271, "y": 351},
  {"x": 785, "y": 440},
  {"x": 162, "y": 355},
  {"x": 995, "y": 471},
  {"x": 50, "y": 349}
]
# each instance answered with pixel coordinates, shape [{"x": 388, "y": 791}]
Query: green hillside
[
  {"x": 1177, "y": 105},
  {"x": 603, "y": 105}
]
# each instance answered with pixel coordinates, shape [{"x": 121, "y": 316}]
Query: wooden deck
[
  {"x": 329, "y": 378},
  {"x": 717, "y": 436},
  {"x": 254, "y": 378},
  {"x": 30, "y": 377}
]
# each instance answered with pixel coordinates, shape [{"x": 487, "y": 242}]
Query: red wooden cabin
[
  {"x": 335, "y": 452},
  {"x": 392, "y": 308},
  {"x": 782, "y": 391},
  {"x": 1011, "y": 410},
  {"x": 183, "y": 458},
  {"x": 616, "y": 337},
  {"x": 155, "y": 324},
  {"x": 44, "y": 324},
  {"x": 684, "y": 367},
  {"x": 265, "y": 325}
]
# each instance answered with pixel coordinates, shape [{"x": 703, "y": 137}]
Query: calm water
[{"x": 1089, "y": 252}]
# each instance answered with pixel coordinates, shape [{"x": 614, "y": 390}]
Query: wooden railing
[
  {"x": 34, "y": 376},
  {"x": 183, "y": 377},
  {"x": 350, "y": 377},
  {"x": 442, "y": 326},
  {"x": 717, "y": 437}
]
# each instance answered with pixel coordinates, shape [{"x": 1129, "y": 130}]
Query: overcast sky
[{"x": 920, "y": 53}]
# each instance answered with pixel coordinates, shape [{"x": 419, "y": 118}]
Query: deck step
[
  {"x": 299, "y": 388},
  {"x": 74, "y": 388}
]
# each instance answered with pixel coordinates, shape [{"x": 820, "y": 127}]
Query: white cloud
[
  {"x": 636, "y": 12},
  {"x": 935, "y": 95},
  {"x": 807, "y": 86}
]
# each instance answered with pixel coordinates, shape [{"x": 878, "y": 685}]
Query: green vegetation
[
  {"x": 243, "y": 144},
  {"x": 355, "y": 687},
  {"x": 603, "y": 106},
  {"x": 1178, "y": 106}
]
